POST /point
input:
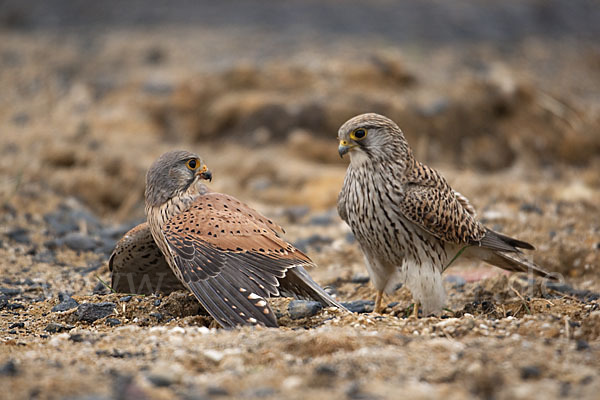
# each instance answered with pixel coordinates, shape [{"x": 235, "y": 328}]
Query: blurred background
[{"x": 502, "y": 97}]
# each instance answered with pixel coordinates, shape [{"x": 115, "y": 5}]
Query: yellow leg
[
  {"x": 415, "y": 313},
  {"x": 378, "y": 309}
]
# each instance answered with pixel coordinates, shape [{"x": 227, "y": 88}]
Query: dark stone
[
  {"x": 325, "y": 369},
  {"x": 9, "y": 368},
  {"x": 19, "y": 235},
  {"x": 155, "y": 55},
  {"x": 216, "y": 391},
  {"x": 76, "y": 337},
  {"x": 14, "y": 306},
  {"x": 90, "y": 312},
  {"x": 67, "y": 219},
  {"x": 125, "y": 299},
  {"x": 79, "y": 242},
  {"x": 360, "y": 279},
  {"x": 160, "y": 380},
  {"x": 112, "y": 322},
  {"x": 10, "y": 292},
  {"x": 455, "y": 280},
  {"x": 100, "y": 288},
  {"x": 156, "y": 315},
  {"x": 303, "y": 308},
  {"x": 530, "y": 372},
  {"x": 158, "y": 88},
  {"x": 582, "y": 345},
  {"x": 315, "y": 240},
  {"x": 66, "y": 303},
  {"x": 156, "y": 302},
  {"x": 295, "y": 214},
  {"x": 322, "y": 219},
  {"x": 360, "y": 306},
  {"x": 45, "y": 256},
  {"x": 561, "y": 287},
  {"x": 259, "y": 393},
  {"x": 54, "y": 327},
  {"x": 531, "y": 208},
  {"x": 17, "y": 325}
]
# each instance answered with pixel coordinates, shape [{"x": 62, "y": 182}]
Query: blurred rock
[
  {"x": 360, "y": 306},
  {"x": 90, "y": 312},
  {"x": 303, "y": 308},
  {"x": 66, "y": 303},
  {"x": 54, "y": 327}
]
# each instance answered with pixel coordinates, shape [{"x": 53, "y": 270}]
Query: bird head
[
  {"x": 372, "y": 136},
  {"x": 172, "y": 174}
]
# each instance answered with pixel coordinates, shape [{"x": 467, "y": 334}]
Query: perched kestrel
[
  {"x": 410, "y": 224},
  {"x": 227, "y": 254}
]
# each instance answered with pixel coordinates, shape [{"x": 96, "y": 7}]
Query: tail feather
[
  {"x": 298, "y": 283},
  {"x": 515, "y": 262},
  {"x": 497, "y": 241}
]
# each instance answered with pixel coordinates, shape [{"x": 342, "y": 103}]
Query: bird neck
[{"x": 176, "y": 204}]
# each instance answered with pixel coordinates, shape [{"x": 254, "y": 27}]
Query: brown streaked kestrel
[
  {"x": 410, "y": 224},
  {"x": 227, "y": 254}
]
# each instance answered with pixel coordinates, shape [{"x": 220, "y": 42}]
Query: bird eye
[
  {"x": 359, "y": 134},
  {"x": 192, "y": 164}
]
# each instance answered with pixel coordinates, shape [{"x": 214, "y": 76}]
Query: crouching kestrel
[
  {"x": 410, "y": 224},
  {"x": 227, "y": 254}
]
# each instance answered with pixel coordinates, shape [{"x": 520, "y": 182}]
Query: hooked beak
[
  {"x": 345, "y": 147},
  {"x": 204, "y": 173}
]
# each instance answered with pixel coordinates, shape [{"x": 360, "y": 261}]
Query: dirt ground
[{"x": 513, "y": 124}]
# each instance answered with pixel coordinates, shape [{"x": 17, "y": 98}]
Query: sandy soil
[{"x": 82, "y": 116}]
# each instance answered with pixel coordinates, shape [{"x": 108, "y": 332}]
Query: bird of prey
[
  {"x": 410, "y": 224},
  {"x": 227, "y": 254}
]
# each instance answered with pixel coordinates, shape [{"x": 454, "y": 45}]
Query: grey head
[
  {"x": 372, "y": 136},
  {"x": 172, "y": 174}
]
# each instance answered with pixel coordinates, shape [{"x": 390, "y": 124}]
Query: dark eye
[
  {"x": 359, "y": 134},
  {"x": 192, "y": 164}
]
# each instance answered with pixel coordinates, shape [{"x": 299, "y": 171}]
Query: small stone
[
  {"x": 303, "y": 308},
  {"x": 360, "y": 279},
  {"x": 350, "y": 239},
  {"x": 216, "y": 391},
  {"x": 17, "y": 325},
  {"x": 9, "y": 292},
  {"x": 54, "y": 327},
  {"x": 90, "y": 312},
  {"x": 531, "y": 208},
  {"x": 213, "y": 355},
  {"x": 530, "y": 372},
  {"x": 125, "y": 299},
  {"x": 582, "y": 345},
  {"x": 455, "y": 280},
  {"x": 360, "y": 306},
  {"x": 79, "y": 242},
  {"x": 156, "y": 315},
  {"x": 112, "y": 322},
  {"x": 19, "y": 235},
  {"x": 315, "y": 240},
  {"x": 100, "y": 288},
  {"x": 9, "y": 368},
  {"x": 161, "y": 379},
  {"x": 156, "y": 302},
  {"x": 66, "y": 303}
]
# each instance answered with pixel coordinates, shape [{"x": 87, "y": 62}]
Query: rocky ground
[{"x": 514, "y": 126}]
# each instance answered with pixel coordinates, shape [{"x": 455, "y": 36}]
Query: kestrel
[
  {"x": 410, "y": 224},
  {"x": 227, "y": 254}
]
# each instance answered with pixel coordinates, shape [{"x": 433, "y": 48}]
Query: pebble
[
  {"x": 315, "y": 240},
  {"x": 216, "y": 391},
  {"x": 9, "y": 368},
  {"x": 90, "y": 312},
  {"x": 214, "y": 355},
  {"x": 125, "y": 299},
  {"x": 455, "y": 280},
  {"x": 9, "y": 292},
  {"x": 66, "y": 303},
  {"x": 303, "y": 308},
  {"x": 530, "y": 372},
  {"x": 360, "y": 279},
  {"x": 79, "y": 242},
  {"x": 55, "y": 327},
  {"x": 17, "y": 325},
  {"x": 19, "y": 235},
  {"x": 360, "y": 306},
  {"x": 68, "y": 219},
  {"x": 582, "y": 345},
  {"x": 112, "y": 322}
]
